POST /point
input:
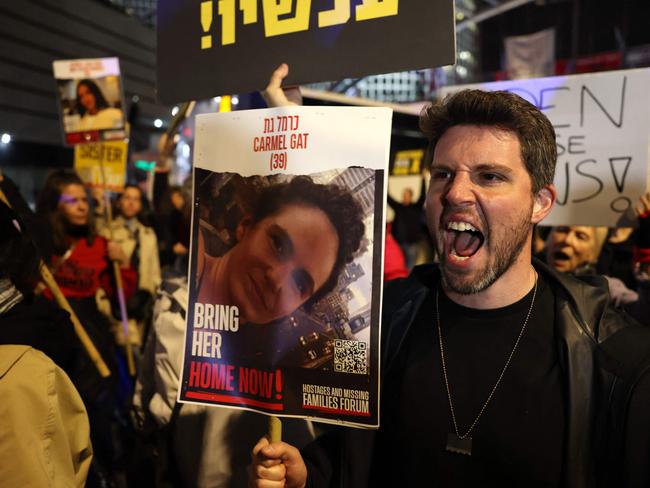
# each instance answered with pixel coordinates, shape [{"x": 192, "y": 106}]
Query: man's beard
[{"x": 505, "y": 254}]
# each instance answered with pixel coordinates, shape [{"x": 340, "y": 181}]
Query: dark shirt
[{"x": 518, "y": 441}]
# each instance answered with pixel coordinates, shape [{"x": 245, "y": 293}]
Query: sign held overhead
[{"x": 208, "y": 48}]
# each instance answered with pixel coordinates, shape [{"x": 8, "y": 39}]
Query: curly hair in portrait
[
  {"x": 340, "y": 206},
  {"x": 100, "y": 99},
  {"x": 47, "y": 207}
]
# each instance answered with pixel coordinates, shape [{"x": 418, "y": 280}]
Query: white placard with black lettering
[{"x": 602, "y": 124}]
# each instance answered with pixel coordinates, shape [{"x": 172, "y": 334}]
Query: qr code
[{"x": 350, "y": 357}]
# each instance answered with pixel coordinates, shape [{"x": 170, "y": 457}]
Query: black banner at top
[{"x": 219, "y": 47}]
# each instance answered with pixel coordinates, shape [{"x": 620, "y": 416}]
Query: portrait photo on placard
[
  {"x": 291, "y": 256},
  {"x": 91, "y": 102}
]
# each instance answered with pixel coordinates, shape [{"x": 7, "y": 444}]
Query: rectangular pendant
[{"x": 458, "y": 445}]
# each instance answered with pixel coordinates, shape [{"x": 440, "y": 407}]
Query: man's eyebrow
[{"x": 494, "y": 167}]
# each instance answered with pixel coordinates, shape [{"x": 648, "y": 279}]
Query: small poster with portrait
[
  {"x": 91, "y": 101},
  {"x": 286, "y": 262}
]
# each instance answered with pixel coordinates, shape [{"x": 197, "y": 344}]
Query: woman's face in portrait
[
  {"x": 73, "y": 204},
  {"x": 87, "y": 98},
  {"x": 280, "y": 262}
]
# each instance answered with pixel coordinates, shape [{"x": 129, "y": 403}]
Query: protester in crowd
[
  {"x": 617, "y": 255},
  {"x": 81, "y": 264},
  {"x": 528, "y": 376},
  {"x": 575, "y": 249},
  {"x": 173, "y": 226},
  {"x": 193, "y": 445},
  {"x": 407, "y": 223},
  {"x": 45, "y": 438},
  {"x": 94, "y": 110},
  {"x": 140, "y": 246}
]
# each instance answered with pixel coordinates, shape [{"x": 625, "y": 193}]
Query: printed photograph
[
  {"x": 289, "y": 258},
  {"x": 91, "y": 104}
]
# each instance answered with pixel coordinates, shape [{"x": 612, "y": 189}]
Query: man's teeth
[
  {"x": 461, "y": 226},
  {"x": 459, "y": 258}
]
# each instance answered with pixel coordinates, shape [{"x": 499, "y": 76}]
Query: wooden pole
[
  {"x": 275, "y": 429},
  {"x": 83, "y": 336},
  {"x": 116, "y": 270}
]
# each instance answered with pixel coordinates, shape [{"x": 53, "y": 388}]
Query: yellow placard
[
  {"x": 408, "y": 162},
  {"x": 89, "y": 159}
]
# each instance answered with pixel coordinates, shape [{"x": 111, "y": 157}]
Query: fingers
[
  {"x": 254, "y": 481},
  {"x": 273, "y": 94},
  {"x": 265, "y": 472},
  {"x": 280, "y": 73},
  {"x": 115, "y": 252},
  {"x": 276, "y": 463}
]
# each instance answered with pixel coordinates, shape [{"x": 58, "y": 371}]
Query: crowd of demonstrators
[
  {"x": 498, "y": 375},
  {"x": 80, "y": 261},
  {"x": 533, "y": 378}
]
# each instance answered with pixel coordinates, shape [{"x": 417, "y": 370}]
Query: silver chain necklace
[{"x": 462, "y": 444}]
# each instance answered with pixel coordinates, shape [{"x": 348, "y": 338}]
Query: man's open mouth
[
  {"x": 463, "y": 239},
  {"x": 561, "y": 256}
]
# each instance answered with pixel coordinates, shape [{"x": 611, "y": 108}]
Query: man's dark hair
[
  {"x": 342, "y": 209},
  {"x": 100, "y": 100},
  {"x": 47, "y": 208},
  {"x": 502, "y": 110}
]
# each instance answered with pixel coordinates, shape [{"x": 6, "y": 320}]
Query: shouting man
[{"x": 496, "y": 370}]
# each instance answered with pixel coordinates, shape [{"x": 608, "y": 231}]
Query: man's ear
[
  {"x": 544, "y": 200},
  {"x": 242, "y": 227}
]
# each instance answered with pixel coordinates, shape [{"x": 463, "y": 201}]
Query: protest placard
[
  {"x": 208, "y": 48},
  {"x": 89, "y": 159},
  {"x": 91, "y": 103},
  {"x": 407, "y": 162},
  {"x": 286, "y": 262},
  {"x": 602, "y": 124}
]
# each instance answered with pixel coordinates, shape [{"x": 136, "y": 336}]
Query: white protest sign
[
  {"x": 286, "y": 262},
  {"x": 602, "y": 124}
]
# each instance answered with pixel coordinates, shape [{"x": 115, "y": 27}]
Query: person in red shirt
[{"x": 80, "y": 261}]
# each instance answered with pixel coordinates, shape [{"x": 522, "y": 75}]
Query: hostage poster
[{"x": 286, "y": 262}]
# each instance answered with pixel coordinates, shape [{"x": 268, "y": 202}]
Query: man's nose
[
  {"x": 459, "y": 190},
  {"x": 571, "y": 239}
]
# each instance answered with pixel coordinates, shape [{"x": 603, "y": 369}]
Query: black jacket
[{"x": 604, "y": 356}]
